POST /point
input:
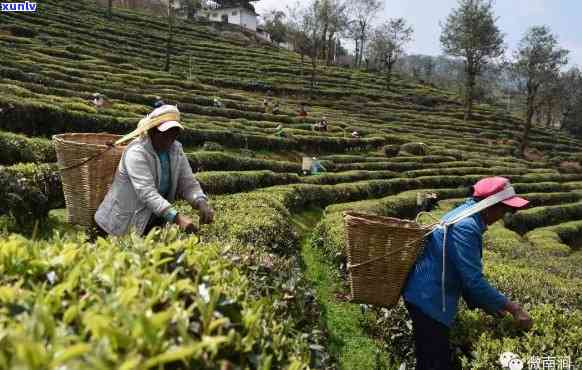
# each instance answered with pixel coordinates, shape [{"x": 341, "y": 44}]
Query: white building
[{"x": 237, "y": 15}]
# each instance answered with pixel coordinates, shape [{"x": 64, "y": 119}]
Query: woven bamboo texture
[
  {"x": 381, "y": 252},
  {"x": 88, "y": 164}
]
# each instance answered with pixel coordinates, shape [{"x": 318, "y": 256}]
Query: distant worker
[
  {"x": 276, "y": 107},
  {"x": 98, "y": 100},
  {"x": 280, "y": 131},
  {"x": 321, "y": 125},
  {"x": 217, "y": 102},
  {"x": 159, "y": 102},
  {"x": 152, "y": 174},
  {"x": 316, "y": 167},
  {"x": 302, "y": 110},
  {"x": 355, "y": 135},
  {"x": 266, "y": 105},
  {"x": 451, "y": 267}
]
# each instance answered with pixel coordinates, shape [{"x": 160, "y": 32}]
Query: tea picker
[
  {"x": 130, "y": 187},
  {"x": 386, "y": 259}
]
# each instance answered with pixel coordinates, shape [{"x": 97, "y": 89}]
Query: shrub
[
  {"x": 238, "y": 182},
  {"x": 19, "y": 31},
  {"x": 219, "y": 161},
  {"x": 563, "y": 237},
  {"x": 415, "y": 148},
  {"x": 247, "y": 153},
  {"x": 44, "y": 177},
  {"x": 390, "y": 150},
  {"x": 570, "y": 167},
  {"x": 18, "y": 148},
  {"x": 191, "y": 315},
  {"x": 22, "y": 201},
  {"x": 348, "y": 176},
  {"x": 527, "y": 220},
  {"x": 212, "y": 146}
]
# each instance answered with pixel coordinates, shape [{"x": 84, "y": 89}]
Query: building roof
[{"x": 232, "y": 8}]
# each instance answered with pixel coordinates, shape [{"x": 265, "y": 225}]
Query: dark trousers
[
  {"x": 154, "y": 221},
  {"x": 431, "y": 341}
]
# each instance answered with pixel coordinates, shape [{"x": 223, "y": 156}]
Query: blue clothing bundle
[
  {"x": 463, "y": 273},
  {"x": 317, "y": 167}
]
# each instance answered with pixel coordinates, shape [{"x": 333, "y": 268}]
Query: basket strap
[
  {"x": 87, "y": 159},
  {"x": 350, "y": 266}
]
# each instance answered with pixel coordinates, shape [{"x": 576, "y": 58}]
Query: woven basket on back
[
  {"x": 381, "y": 251},
  {"x": 88, "y": 163}
]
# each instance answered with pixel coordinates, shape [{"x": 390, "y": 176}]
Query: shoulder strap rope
[
  {"x": 476, "y": 208},
  {"x": 85, "y": 160}
]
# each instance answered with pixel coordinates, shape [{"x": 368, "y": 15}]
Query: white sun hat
[{"x": 164, "y": 118}]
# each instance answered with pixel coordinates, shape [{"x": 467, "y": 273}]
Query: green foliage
[
  {"x": 235, "y": 182},
  {"x": 349, "y": 342},
  {"x": 22, "y": 200},
  {"x": 543, "y": 216},
  {"x": 565, "y": 237},
  {"x": 556, "y": 330},
  {"x": 347, "y": 176},
  {"x": 219, "y": 161},
  {"x": 265, "y": 316},
  {"x": 415, "y": 148},
  {"x": 65, "y": 303},
  {"x": 212, "y": 146},
  {"x": 390, "y": 150},
  {"x": 20, "y": 149}
]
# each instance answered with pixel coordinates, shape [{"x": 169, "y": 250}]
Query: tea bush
[
  {"x": 236, "y": 182},
  {"x": 22, "y": 200},
  {"x": 219, "y": 161},
  {"x": 212, "y": 147},
  {"x": 21, "y": 149},
  {"x": 390, "y": 150},
  {"x": 415, "y": 148},
  {"x": 173, "y": 306},
  {"x": 544, "y": 216}
]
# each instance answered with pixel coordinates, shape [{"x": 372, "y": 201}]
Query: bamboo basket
[
  {"x": 87, "y": 164},
  {"x": 381, "y": 252}
]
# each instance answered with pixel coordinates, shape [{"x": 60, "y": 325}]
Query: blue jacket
[{"x": 463, "y": 271}]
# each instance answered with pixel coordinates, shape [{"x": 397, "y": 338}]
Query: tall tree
[
  {"x": 170, "y": 34},
  {"x": 305, "y": 23},
  {"x": 470, "y": 32},
  {"x": 335, "y": 21},
  {"x": 110, "y": 9},
  {"x": 191, "y": 7},
  {"x": 571, "y": 102},
  {"x": 362, "y": 13},
  {"x": 537, "y": 62},
  {"x": 429, "y": 65},
  {"x": 275, "y": 25},
  {"x": 387, "y": 44}
]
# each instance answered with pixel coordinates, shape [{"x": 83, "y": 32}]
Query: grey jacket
[{"x": 134, "y": 195}]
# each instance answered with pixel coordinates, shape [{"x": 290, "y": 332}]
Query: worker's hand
[
  {"x": 523, "y": 320},
  {"x": 185, "y": 223},
  {"x": 206, "y": 212},
  {"x": 520, "y": 315}
]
